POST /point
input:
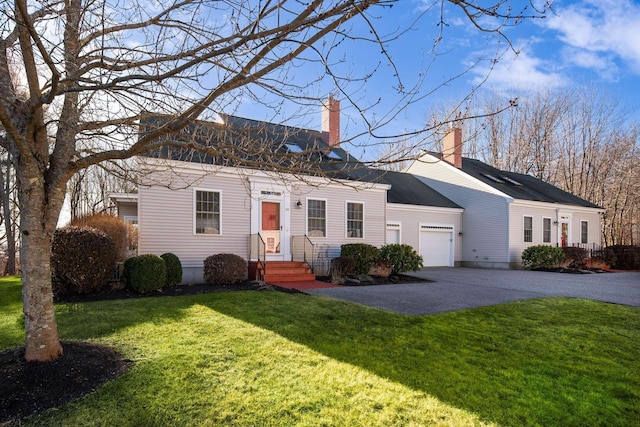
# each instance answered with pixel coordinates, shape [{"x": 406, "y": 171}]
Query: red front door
[{"x": 271, "y": 226}]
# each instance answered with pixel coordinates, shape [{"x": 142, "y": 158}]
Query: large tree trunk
[{"x": 40, "y": 207}]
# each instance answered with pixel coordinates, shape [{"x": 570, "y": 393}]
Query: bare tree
[
  {"x": 9, "y": 211},
  {"x": 88, "y": 190},
  {"x": 576, "y": 139},
  {"x": 99, "y": 65}
]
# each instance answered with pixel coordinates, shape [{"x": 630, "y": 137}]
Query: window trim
[
  {"x": 584, "y": 233},
  {"x": 550, "y": 229},
  {"x": 195, "y": 212},
  {"x": 326, "y": 225},
  {"x": 524, "y": 229},
  {"x": 346, "y": 219}
]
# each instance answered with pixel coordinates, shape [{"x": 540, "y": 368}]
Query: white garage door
[{"x": 436, "y": 245}]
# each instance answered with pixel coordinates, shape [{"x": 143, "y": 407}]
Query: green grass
[{"x": 276, "y": 359}]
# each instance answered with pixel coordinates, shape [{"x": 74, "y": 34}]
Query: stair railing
[
  {"x": 258, "y": 252},
  {"x": 302, "y": 249}
]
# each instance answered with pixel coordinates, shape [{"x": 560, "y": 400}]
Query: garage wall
[{"x": 411, "y": 217}]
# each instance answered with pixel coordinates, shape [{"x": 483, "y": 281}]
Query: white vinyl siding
[
  {"x": 207, "y": 212},
  {"x": 527, "y": 229},
  {"x": 167, "y": 219},
  {"x": 410, "y": 217},
  {"x": 546, "y": 230},
  {"x": 316, "y": 218},
  {"x": 355, "y": 220}
]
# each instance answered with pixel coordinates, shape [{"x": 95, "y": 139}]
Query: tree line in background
[{"x": 578, "y": 140}]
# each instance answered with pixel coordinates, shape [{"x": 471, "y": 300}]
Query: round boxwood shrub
[
  {"x": 82, "y": 260},
  {"x": 542, "y": 256},
  {"x": 145, "y": 273},
  {"x": 174, "y": 268},
  {"x": 363, "y": 254},
  {"x": 225, "y": 269},
  {"x": 403, "y": 257}
]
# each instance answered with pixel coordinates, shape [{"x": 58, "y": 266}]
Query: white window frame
[
  {"x": 195, "y": 212},
  {"x": 584, "y": 234},
  {"x": 326, "y": 214},
  {"x": 524, "y": 230},
  {"x": 394, "y": 225},
  {"x": 550, "y": 228},
  {"x": 131, "y": 219},
  {"x": 346, "y": 219}
]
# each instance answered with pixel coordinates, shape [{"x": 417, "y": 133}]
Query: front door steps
[{"x": 282, "y": 271}]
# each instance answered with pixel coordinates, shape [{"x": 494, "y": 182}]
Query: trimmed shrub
[
  {"x": 623, "y": 257},
  {"x": 114, "y": 227},
  {"x": 542, "y": 256},
  {"x": 82, "y": 260},
  {"x": 342, "y": 267},
  {"x": 145, "y": 273},
  {"x": 225, "y": 269},
  {"x": 381, "y": 268},
  {"x": 363, "y": 254},
  {"x": 174, "y": 268},
  {"x": 403, "y": 257},
  {"x": 575, "y": 256}
]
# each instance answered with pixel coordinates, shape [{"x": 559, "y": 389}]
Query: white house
[
  {"x": 506, "y": 212},
  {"x": 279, "y": 204}
]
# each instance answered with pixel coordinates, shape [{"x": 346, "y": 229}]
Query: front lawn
[{"x": 265, "y": 358}]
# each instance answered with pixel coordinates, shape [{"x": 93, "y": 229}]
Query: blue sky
[{"x": 582, "y": 43}]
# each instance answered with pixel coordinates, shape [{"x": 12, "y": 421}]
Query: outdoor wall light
[{"x": 298, "y": 204}]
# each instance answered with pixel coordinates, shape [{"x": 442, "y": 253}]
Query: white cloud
[
  {"x": 520, "y": 73},
  {"x": 599, "y": 27}
]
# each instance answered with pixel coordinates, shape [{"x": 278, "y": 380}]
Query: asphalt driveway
[{"x": 461, "y": 288}]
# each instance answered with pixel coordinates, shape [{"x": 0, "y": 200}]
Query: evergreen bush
[
  {"x": 363, "y": 254},
  {"x": 403, "y": 257},
  {"x": 575, "y": 256},
  {"x": 342, "y": 267},
  {"x": 542, "y": 256},
  {"x": 145, "y": 273},
  {"x": 174, "y": 268},
  {"x": 623, "y": 257},
  {"x": 82, "y": 260},
  {"x": 225, "y": 269}
]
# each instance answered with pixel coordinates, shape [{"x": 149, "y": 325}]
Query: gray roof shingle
[{"x": 520, "y": 186}]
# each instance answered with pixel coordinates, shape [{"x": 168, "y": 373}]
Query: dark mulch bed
[
  {"x": 571, "y": 270},
  {"x": 29, "y": 388},
  {"x": 395, "y": 279},
  {"x": 124, "y": 293}
]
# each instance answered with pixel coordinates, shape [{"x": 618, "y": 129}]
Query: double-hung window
[
  {"x": 207, "y": 212},
  {"x": 584, "y": 232},
  {"x": 528, "y": 229},
  {"x": 355, "y": 220},
  {"x": 316, "y": 218},
  {"x": 546, "y": 230}
]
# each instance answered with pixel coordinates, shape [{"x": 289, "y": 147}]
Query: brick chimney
[
  {"x": 452, "y": 147},
  {"x": 331, "y": 122}
]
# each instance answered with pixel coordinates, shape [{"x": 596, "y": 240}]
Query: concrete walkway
[{"x": 462, "y": 288}]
